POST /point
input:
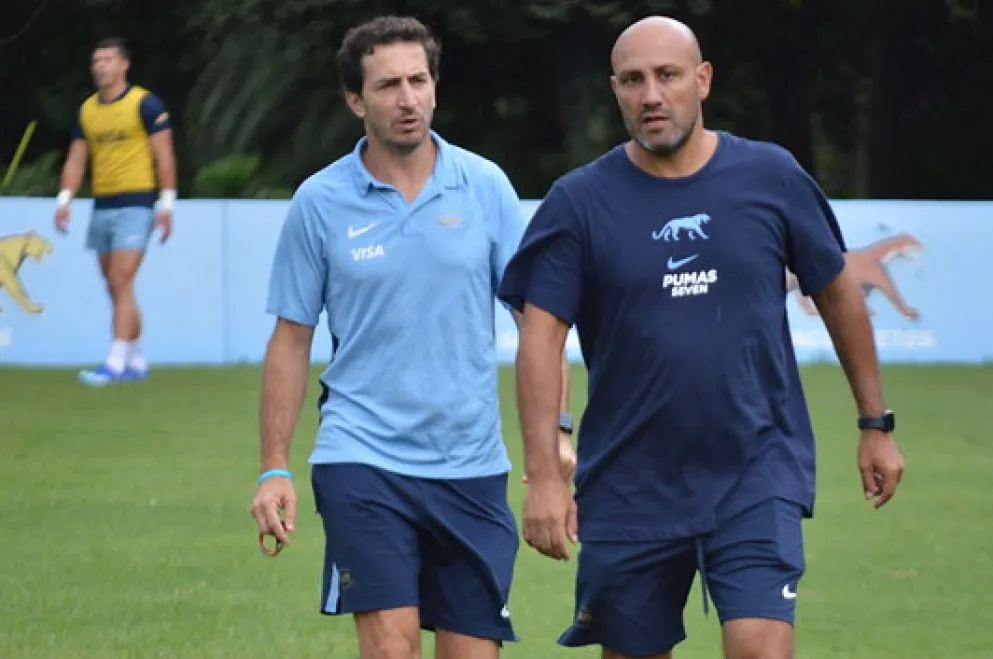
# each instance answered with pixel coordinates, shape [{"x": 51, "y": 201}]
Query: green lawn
[{"x": 125, "y": 528}]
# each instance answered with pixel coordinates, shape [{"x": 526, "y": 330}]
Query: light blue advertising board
[{"x": 922, "y": 264}]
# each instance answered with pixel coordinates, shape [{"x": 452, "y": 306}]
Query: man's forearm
[
  {"x": 166, "y": 171},
  {"x": 72, "y": 177},
  {"x": 564, "y": 398},
  {"x": 539, "y": 400},
  {"x": 842, "y": 308},
  {"x": 284, "y": 384}
]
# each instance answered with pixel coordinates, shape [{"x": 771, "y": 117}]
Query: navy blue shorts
[
  {"x": 445, "y": 546},
  {"x": 630, "y": 596}
]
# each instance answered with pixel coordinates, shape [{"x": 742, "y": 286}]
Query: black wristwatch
[
  {"x": 886, "y": 422},
  {"x": 565, "y": 423}
]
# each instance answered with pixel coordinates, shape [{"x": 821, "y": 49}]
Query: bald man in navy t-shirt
[{"x": 696, "y": 451}]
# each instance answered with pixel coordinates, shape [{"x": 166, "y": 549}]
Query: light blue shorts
[{"x": 113, "y": 229}]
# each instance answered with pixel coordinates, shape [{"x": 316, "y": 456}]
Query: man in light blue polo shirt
[{"x": 402, "y": 243}]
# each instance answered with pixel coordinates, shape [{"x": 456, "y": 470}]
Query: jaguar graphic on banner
[
  {"x": 869, "y": 265},
  {"x": 897, "y": 260},
  {"x": 15, "y": 251},
  {"x": 882, "y": 268}
]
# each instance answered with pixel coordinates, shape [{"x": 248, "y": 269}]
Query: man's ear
[
  {"x": 704, "y": 77},
  {"x": 355, "y": 104}
]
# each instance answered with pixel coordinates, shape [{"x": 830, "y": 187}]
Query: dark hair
[
  {"x": 362, "y": 39},
  {"x": 114, "y": 42}
]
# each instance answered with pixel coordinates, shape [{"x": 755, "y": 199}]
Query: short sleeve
[
  {"x": 814, "y": 243},
  {"x": 154, "y": 115},
  {"x": 298, "y": 278},
  {"x": 77, "y": 126},
  {"x": 508, "y": 230},
  {"x": 547, "y": 269}
]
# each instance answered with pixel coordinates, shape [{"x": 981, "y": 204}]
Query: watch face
[{"x": 885, "y": 422}]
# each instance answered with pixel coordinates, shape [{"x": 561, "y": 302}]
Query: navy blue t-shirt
[{"x": 677, "y": 289}]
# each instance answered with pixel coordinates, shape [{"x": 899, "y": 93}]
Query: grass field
[{"x": 125, "y": 530}]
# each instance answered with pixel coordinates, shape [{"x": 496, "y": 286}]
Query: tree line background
[{"x": 877, "y": 98}]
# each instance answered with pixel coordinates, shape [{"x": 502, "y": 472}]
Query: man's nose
[
  {"x": 653, "y": 96},
  {"x": 406, "y": 96}
]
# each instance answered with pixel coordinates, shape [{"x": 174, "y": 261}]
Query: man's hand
[
  {"x": 550, "y": 519},
  {"x": 567, "y": 458},
  {"x": 163, "y": 221},
  {"x": 276, "y": 495},
  {"x": 62, "y": 216},
  {"x": 881, "y": 465}
]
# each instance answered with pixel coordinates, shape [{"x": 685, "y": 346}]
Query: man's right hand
[
  {"x": 550, "y": 518},
  {"x": 275, "y": 508},
  {"x": 62, "y": 217}
]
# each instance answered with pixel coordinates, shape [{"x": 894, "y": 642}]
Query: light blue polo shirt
[{"x": 409, "y": 291}]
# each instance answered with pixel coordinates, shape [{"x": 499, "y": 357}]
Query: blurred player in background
[
  {"x": 696, "y": 452},
  {"x": 124, "y": 130},
  {"x": 403, "y": 243}
]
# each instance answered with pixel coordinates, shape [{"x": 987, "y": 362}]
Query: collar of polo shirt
[{"x": 446, "y": 168}]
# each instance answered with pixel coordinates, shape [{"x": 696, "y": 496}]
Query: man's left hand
[
  {"x": 881, "y": 465},
  {"x": 163, "y": 221}
]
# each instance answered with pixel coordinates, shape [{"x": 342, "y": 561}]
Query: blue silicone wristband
[{"x": 274, "y": 472}]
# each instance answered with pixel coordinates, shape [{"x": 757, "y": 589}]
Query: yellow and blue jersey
[{"x": 116, "y": 132}]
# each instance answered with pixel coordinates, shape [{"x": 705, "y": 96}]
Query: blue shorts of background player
[
  {"x": 631, "y": 595},
  {"x": 445, "y": 546},
  {"x": 113, "y": 229}
]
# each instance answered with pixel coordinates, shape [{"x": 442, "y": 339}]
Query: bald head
[
  {"x": 660, "y": 81},
  {"x": 661, "y": 35}
]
